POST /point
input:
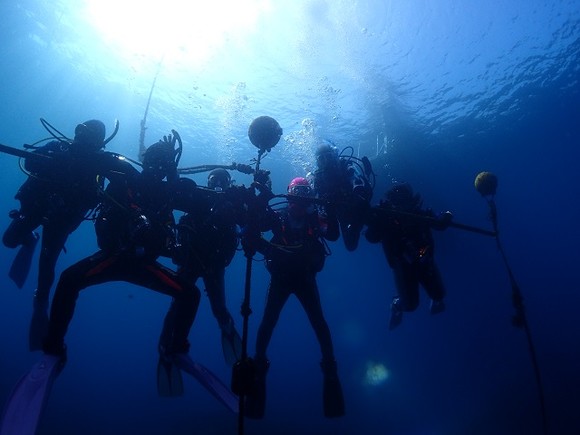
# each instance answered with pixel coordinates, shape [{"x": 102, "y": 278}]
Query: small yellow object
[{"x": 486, "y": 183}]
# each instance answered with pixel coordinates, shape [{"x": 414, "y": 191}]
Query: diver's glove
[
  {"x": 444, "y": 220},
  {"x": 169, "y": 140},
  {"x": 262, "y": 177},
  {"x": 252, "y": 240},
  {"x": 262, "y": 184}
]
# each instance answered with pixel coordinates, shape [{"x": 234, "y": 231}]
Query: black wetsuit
[
  {"x": 409, "y": 249},
  {"x": 134, "y": 227},
  {"x": 208, "y": 238},
  {"x": 57, "y": 195},
  {"x": 294, "y": 256},
  {"x": 349, "y": 194}
]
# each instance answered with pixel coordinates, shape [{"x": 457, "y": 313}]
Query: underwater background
[{"x": 432, "y": 91}]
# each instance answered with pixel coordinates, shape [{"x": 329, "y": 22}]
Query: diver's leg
[
  {"x": 215, "y": 288},
  {"x": 432, "y": 282},
  {"x": 230, "y": 338},
  {"x": 277, "y": 297},
  {"x": 53, "y": 240},
  {"x": 407, "y": 286},
  {"x": 186, "y": 296},
  {"x": 55, "y": 232},
  {"x": 407, "y": 283},
  {"x": 351, "y": 224},
  {"x": 350, "y": 234},
  {"x": 309, "y": 298},
  {"x": 87, "y": 272},
  {"x": 332, "y": 397}
]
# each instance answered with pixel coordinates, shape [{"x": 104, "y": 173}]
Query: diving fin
[
  {"x": 169, "y": 380},
  {"x": 231, "y": 345},
  {"x": 395, "y": 320},
  {"x": 437, "y": 307},
  {"x": 21, "y": 264},
  {"x": 255, "y": 405},
  {"x": 332, "y": 397},
  {"x": 26, "y": 403},
  {"x": 207, "y": 379},
  {"x": 350, "y": 236},
  {"x": 333, "y": 400}
]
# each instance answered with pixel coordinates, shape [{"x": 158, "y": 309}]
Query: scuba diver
[
  {"x": 61, "y": 189},
  {"x": 208, "y": 239},
  {"x": 134, "y": 227},
  {"x": 343, "y": 182},
  {"x": 403, "y": 228},
  {"x": 294, "y": 255}
]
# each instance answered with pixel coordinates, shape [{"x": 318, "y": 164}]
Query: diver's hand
[
  {"x": 262, "y": 177},
  {"x": 251, "y": 239},
  {"x": 170, "y": 140},
  {"x": 444, "y": 220},
  {"x": 264, "y": 196}
]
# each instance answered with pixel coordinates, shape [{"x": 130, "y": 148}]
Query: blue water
[{"x": 434, "y": 92}]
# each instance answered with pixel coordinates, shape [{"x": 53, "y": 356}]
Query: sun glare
[
  {"x": 376, "y": 374},
  {"x": 191, "y": 29}
]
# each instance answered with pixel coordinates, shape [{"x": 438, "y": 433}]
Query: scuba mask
[
  {"x": 300, "y": 186},
  {"x": 219, "y": 179}
]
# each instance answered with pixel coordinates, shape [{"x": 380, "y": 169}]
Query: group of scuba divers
[{"x": 132, "y": 204}]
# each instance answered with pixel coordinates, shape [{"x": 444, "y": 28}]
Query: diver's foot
[
  {"x": 55, "y": 348},
  {"x": 332, "y": 397},
  {"x": 396, "y": 313},
  {"x": 437, "y": 307},
  {"x": 169, "y": 379},
  {"x": 255, "y": 405},
  {"x": 350, "y": 238}
]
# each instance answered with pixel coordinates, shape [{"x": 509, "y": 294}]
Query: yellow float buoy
[{"x": 486, "y": 183}]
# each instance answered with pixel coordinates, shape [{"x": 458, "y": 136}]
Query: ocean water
[{"x": 432, "y": 92}]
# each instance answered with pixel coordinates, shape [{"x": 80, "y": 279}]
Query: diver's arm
[{"x": 114, "y": 167}]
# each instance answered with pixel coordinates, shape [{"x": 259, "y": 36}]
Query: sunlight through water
[
  {"x": 376, "y": 374},
  {"x": 190, "y": 30}
]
